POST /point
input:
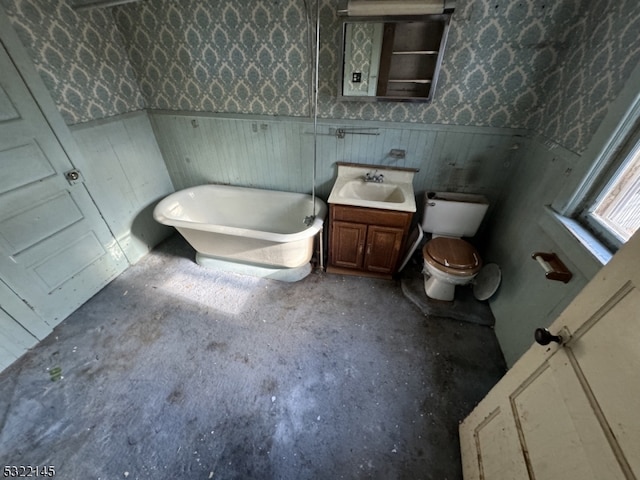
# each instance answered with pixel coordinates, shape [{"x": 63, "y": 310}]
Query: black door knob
[{"x": 545, "y": 337}]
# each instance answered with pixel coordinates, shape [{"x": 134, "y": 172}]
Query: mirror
[{"x": 392, "y": 59}]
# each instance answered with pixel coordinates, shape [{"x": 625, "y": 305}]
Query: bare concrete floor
[{"x": 176, "y": 372}]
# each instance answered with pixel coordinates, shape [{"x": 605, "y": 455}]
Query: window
[
  {"x": 618, "y": 208},
  {"x": 611, "y": 211}
]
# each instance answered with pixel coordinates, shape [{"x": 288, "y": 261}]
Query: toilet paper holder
[{"x": 553, "y": 267}]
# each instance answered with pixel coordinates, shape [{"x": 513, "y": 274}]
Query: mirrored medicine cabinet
[{"x": 392, "y": 58}]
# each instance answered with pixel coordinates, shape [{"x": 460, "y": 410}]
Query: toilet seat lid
[
  {"x": 453, "y": 253},
  {"x": 487, "y": 282}
]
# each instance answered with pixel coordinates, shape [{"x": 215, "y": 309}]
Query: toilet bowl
[
  {"x": 448, "y": 259},
  {"x": 448, "y": 262}
]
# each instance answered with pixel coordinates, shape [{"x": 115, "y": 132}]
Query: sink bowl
[
  {"x": 373, "y": 192},
  {"x": 396, "y": 193}
]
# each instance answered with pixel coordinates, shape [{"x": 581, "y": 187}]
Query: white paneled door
[
  {"x": 55, "y": 249},
  {"x": 569, "y": 412}
]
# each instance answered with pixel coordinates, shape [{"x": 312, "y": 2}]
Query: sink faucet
[{"x": 374, "y": 177}]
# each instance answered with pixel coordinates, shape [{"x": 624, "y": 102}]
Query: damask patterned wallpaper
[
  {"x": 551, "y": 67},
  {"x": 80, "y": 57},
  {"x": 219, "y": 56},
  {"x": 601, "y": 50},
  {"x": 254, "y": 57}
]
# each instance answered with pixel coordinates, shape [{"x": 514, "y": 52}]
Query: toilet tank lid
[
  {"x": 453, "y": 253},
  {"x": 456, "y": 197}
]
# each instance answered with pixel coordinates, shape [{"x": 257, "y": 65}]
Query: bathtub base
[{"x": 282, "y": 274}]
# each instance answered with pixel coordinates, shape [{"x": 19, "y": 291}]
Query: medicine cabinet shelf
[
  {"x": 392, "y": 59},
  {"x": 410, "y": 81},
  {"x": 417, "y": 52}
]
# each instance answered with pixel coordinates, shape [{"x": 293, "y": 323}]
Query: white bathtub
[{"x": 264, "y": 229}]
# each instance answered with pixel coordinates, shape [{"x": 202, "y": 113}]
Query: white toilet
[{"x": 449, "y": 260}]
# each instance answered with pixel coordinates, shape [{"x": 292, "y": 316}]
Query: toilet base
[{"x": 438, "y": 290}]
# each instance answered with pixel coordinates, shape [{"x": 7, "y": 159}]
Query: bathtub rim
[{"x": 309, "y": 231}]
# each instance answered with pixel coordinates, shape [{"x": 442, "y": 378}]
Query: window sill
[{"x": 577, "y": 243}]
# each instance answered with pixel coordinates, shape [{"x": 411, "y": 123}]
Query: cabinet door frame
[
  {"x": 383, "y": 248},
  {"x": 341, "y": 255}
]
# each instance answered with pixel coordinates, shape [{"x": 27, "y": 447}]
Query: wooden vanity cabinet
[{"x": 366, "y": 241}]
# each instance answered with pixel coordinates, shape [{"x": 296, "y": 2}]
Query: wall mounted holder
[
  {"x": 553, "y": 267},
  {"x": 342, "y": 132}
]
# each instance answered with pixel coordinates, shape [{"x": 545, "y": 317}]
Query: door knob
[
  {"x": 545, "y": 337},
  {"x": 73, "y": 176}
]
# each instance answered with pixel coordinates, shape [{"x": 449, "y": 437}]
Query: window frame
[
  {"x": 602, "y": 173},
  {"x": 622, "y": 153}
]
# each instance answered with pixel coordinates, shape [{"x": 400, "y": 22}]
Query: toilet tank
[{"x": 453, "y": 214}]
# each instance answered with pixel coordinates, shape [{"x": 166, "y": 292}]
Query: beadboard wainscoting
[
  {"x": 277, "y": 153},
  {"x": 126, "y": 176}
]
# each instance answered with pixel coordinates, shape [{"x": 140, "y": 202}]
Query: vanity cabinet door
[
  {"x": 347, "y": 241},
  {"x": 383, "y": 248},
  {"x": 366, "y": 241}
]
